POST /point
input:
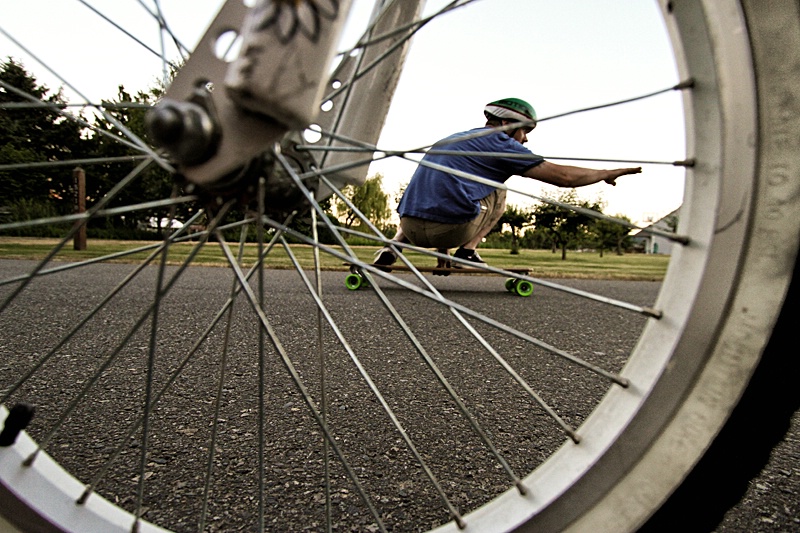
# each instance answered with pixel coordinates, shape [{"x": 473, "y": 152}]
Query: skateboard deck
[{"x": 355, "y": 280}]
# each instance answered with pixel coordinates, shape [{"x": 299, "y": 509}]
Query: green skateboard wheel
[
  {"x": 353, "y": 282},
  {"x": 524, "y": 287}
]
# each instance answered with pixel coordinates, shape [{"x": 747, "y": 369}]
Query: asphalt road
[{"x": 181, "y": 430}]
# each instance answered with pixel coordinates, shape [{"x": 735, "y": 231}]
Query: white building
[{"x": 656, "y": 244}]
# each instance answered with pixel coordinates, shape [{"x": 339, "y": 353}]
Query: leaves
[
  {"x": 565, "y": 226},
  {"x": 610, "y": 234},
  {"x": 36, "y": 126},
  {"x": 517, "y": 219},
  {"x": 35, "y": 133},
  {"x": 370, "y": 199}
]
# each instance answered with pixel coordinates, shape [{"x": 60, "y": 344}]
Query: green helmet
[{"x": 510, "y": 109}]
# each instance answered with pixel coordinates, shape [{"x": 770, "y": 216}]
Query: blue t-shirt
[{"x": 440, "y": 196}]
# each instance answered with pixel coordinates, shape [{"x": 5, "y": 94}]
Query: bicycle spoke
[
  {"x": 117, "y": 124},
  {"x": 226, "y": 308},
  {"x": 571, "y": 433},
  {"x": 381, "y": 239},
  {"x": 322, "y": 309},
  {"x": 220, "y": 384},
  {"x": 97, "y": 207},
  {"x": 80, "y": 324},
  {"x": 109, "y": 361},
  {"x": 407, "y": 33},
  {"x": 413, "y": 338},
  {"x": 158, "y": 15},
  {"x": 114, "y": 211},
  {"x": 261, "y": 357},
  {"x": 484, "y": 400},
  {"x": 686, "y": 84},
  {"x": 323, "y": 385},
  {"x": 372, "y": 270},
  {"x": 377, "y": 154},
  {"x": 75, "y": 162},
  {"x": 35, "y": 102},
  {"x": 132, "y": 251},
  {"x": 266, "y": 327},
  {"x": 155, "y": 310},
  {"x": 138, "y": 41}
]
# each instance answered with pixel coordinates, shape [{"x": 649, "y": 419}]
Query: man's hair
[{"x": 494, "y": 121}]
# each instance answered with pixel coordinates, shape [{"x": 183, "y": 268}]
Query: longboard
[{"x": 521, "y": 287}]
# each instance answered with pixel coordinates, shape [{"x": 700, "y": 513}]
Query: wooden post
[{"x": 79, "y": 186}]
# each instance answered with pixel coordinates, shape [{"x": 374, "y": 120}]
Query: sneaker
[
  {"x": 468, "y": 255},
  {"x": 385, "y": 257}
]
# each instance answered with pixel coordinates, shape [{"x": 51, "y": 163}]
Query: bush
[
  {"x": 24, "y": 209},
  {"x": 497, "y": 240}
]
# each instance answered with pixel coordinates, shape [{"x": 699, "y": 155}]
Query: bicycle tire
[{"x": 754, "y": 279}]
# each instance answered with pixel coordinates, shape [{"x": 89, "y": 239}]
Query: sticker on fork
[{"x": 286, "y": 83}]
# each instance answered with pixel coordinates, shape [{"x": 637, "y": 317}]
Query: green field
[{"x": 542, "y": 263}]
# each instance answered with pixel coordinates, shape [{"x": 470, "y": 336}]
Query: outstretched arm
[{"x": 568, "y": 176}]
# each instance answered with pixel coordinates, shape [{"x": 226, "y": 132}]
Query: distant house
[
  {"x": 153, "y": 223},
  {"x": 656, "y": 244}
]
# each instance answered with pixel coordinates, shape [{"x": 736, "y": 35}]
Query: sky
[{"x": 560, "y": 56}]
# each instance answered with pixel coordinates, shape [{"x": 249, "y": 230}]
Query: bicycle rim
[{"x": 722, "y": 294}]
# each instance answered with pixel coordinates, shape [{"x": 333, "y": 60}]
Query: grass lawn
[{"x": 542, "y": 263}]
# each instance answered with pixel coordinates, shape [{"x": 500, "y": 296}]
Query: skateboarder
[{"x": 443, "y": 210}]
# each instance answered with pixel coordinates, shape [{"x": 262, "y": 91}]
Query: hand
[{"x": 621, "y": 172}]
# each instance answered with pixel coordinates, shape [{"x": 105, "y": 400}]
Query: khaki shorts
[{"x": 430, "y": 234}]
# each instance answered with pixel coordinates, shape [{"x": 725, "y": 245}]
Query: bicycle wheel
[{"x": 641, "y": 429}]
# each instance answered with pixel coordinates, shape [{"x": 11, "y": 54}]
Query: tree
[
  {"x": 34, "y": 134},
  {"x": 108, "y": 141},
  {"x": 610, "y": 234},
  {"x": 370, "y": 199},
  {"x": 564, "y": 226},
  {"x": 517, "y": 219}
]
